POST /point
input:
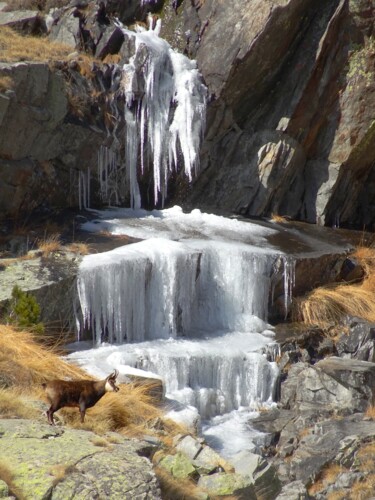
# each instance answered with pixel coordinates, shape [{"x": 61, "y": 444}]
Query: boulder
[
  {"x": 29, "y": 22},
  {"x": 189, "y": 446},
  {"x": 178, "y": 465},
  {"x": 295, "y": 490},
  {"x": 266, "y": 482},
  {"x": 222, "y": 485},
  {"x": 332, "y": 384},
  {"x": 359, "y": 343},
  {"x": 110, "y": 42},
  {"x": 57, "y": 463}
]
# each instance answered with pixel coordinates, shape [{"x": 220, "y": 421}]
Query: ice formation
[{"x": 164, "y": 113}]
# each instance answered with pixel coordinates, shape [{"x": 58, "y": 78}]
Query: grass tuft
[
  {"x": 7, "y": 476},
  {"x": 25, "y": 364},
  {"x": 6, "y": 83},
  {"x": 328, "y": 305},
  {"x": 50, "y": 244},
  {"x": 15, "y": 48}
]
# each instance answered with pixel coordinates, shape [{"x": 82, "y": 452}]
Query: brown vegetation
[
  {"x": 15, "y": 48},
  {"x": 7, "y": 476},
  {"x": 329, "y": 304},
  {"x": 6, "y": 83},
  {"x": 131, "y": 411},
  {"x": 50, "y": 244}
]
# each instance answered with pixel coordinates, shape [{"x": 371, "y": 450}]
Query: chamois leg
[
  {"x": 50, "y": 413},
  {"x": 82, "y": 410}
]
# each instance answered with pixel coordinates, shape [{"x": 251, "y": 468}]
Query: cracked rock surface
[{"x": 60, "y": 463}]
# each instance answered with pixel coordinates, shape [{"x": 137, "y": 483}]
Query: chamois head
[{"x": 110, "y": 382}]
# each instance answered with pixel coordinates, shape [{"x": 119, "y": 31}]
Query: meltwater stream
[{"x": 189, "y": 304}]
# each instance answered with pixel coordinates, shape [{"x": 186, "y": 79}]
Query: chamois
[{"x": 81, "y": 393}]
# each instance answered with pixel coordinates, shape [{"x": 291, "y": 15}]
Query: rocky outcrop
[
  {"x": 43, "y": 162},
  {"x": 247, "y": 475},
  {"x": 288, "y": 131},
  {"x": 322, "y": 433},
  {"x": 55, "y": 463}
]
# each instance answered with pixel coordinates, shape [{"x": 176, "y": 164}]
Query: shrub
[{"x": 24, "y": 310}]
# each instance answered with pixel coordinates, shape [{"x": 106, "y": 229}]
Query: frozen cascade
[
  {"x": 160, "y": 289},
  {"x": 192, "y": 311},
  {"x": 164, "y": 113}
]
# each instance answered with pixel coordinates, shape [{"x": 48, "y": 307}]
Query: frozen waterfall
[
  {"x": 187, "y": 303},
  {"x": 162, "y": 100}
]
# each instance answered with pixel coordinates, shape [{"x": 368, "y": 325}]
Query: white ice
[{"x": 164, "y": 113}]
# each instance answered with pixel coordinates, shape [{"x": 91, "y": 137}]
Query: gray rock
[
  {"x": 59, "y": 463},
  {"x": 333, "y": 384},
  {"x": 247, "y": 463},
  {"x": 66, "y": 30},
  {"x": 207, "y": 461},
  {"x": 27, "y": 21},
  {"x": 295, "y": 490},
  {"x": 221, "y": 485},
  {"x": 359, "y": 343},
  {"x": 110, "y": 42},
  {"x": 189, "y": 446},
  {"x": 178, "y": 465}
]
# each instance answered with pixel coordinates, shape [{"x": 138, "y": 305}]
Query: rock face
[
  {"x": 55, "y": 463},
  {"x": 44, "y": 146},
  {"x": 288, "y": 129}
]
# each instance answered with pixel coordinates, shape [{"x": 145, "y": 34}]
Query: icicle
[
  {"x": 289, "y": 281},
  {"x": 165, "y": 106}
]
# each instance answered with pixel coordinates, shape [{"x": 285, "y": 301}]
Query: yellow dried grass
[
  {"x": 15, "y": 48},
  {"x": 50, "y": 244},
  {"x": 7, "y": 476},
  {"x": 328, "y": 305},
  {"x": 41, "y": 363}
]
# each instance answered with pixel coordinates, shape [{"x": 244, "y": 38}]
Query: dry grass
[
  {"x": 330, "y": 304},
  {"x": 25, "y": 364},
  {"x": 7, "y": 476},
  {"x": 172, "y": 488},
  {"x": 279, "y": 218},
  {"x": 79, "y": 247},
  {"x": 370, "y": 412},
  {"x": 327, "y": 477},
  {"x": 15, "y": 48},
  {"x": 60, "y": 472},
  {"x": 21, "y": 349},
  {"x": 15, "y": 404},
  {"x": 6, "y": 83},
  {"x": 49, "y": 244}
]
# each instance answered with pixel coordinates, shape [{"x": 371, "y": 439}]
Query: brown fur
[{"x": 81, "y": 393}]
